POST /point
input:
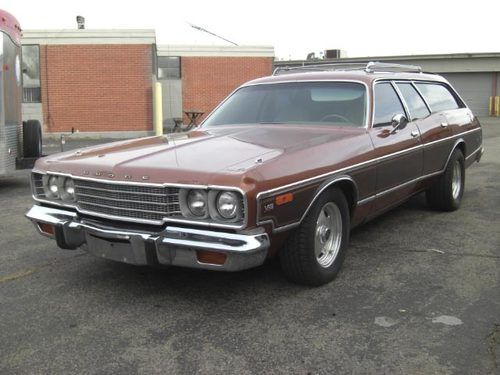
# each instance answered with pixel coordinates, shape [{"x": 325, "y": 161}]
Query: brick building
[
  {"x": 99, "y": 82},
  {"x": 200, "y": 77}
]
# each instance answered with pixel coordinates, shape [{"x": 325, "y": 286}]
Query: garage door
[{"x": 474, "y": 88}]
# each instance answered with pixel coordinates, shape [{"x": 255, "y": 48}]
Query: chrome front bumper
[{"x": 170, "y": 246}]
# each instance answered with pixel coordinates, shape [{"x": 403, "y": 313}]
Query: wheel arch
[
  {"x": 460, "y": 144},
  {"x": 348, "y": 187}
]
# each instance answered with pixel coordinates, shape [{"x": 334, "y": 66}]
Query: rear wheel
[
  {"x": 447, "y": 192},
  {"x": 315, "y": 251},
  {"x": 32, "y": 139}
]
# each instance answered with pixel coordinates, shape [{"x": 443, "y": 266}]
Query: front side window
[
  {"x": 414, "y": 102},
  {"x": 387, "y": 104},
  {"x": 321, "y": 103},
  {"x": 437, "y": 96}
]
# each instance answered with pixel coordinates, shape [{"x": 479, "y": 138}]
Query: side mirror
[{"x": 399, "y": 121}]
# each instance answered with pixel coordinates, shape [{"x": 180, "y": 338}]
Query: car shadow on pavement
[
  {"x": 90, "y": 274},
  {"x": 139, "y": 282}
]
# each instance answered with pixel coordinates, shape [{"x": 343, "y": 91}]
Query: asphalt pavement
[{"x": 419, "y": 293}]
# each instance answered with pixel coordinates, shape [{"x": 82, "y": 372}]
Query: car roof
[{"x": 345, "y": 75}]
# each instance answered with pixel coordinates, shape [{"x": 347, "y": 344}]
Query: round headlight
[
  {"x": 197, "y": 202},
  {"x": 68, "y": 190},
  {"x": 227, "y": 204},
  {"x": 52, "y": 188}
]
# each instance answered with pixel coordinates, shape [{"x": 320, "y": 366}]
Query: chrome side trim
[
  {"x": 473, "y": 153},
  {"x": 366, "y": 200},
  {"x": 144, "y": 221},
  {"x": 327, "y": 185},
  {"x": 358, "y": 165},
  {"x": 394, "y": 188},
  {"x": 371, "y": 197}
]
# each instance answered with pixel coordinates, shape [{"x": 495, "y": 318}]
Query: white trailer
[{"x": 20, "y": 142}]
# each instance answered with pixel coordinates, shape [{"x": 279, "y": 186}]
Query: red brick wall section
[
  {"x": 96, "y": 88},
  {"x": 206, "y": 81}
]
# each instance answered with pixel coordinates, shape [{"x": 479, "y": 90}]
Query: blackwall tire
[
  {"x": 32, "y": 139},
  {"x": 315, "y": 251},
  {"x": 446, "y": 194}
]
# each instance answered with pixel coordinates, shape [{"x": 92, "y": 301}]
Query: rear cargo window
[{"x": 438, "y": 97}]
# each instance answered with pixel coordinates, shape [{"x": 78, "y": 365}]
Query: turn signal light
[
  {"x": 211, "y": 257},
  {"x": 46, "y": 229},
  {"x": 284, "y": 198}
]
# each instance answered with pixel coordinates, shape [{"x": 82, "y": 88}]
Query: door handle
[
  {"x": 444, "y": 124},
  {"x": 414, "y": 133}
]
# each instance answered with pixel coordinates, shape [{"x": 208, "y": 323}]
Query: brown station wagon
[{"x": 285, "y": 166}]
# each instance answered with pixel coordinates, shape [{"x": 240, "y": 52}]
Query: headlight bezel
[
  {"x": 56, "y": 190},
  {"x": 227, "y": 198},
  {"x": 49, "y": 182},
  {"x": 213, "y": 196},
  {"x": 212, "y": 214},
  {"x": 194, "y": 196},
  {"x": 65, "y": 194}
]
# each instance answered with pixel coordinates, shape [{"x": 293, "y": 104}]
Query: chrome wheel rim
[
  {"x": 456, "y": 180},
  {"x": 328, "y": 234}
]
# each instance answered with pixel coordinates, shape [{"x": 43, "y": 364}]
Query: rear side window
[
  {"x": 438, "y": 97},
  {"x": 387, "y": 104},
  {"x": 413, "y": 100}
]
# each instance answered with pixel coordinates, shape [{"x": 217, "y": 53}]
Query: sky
[{"x": 294, "y": 28}]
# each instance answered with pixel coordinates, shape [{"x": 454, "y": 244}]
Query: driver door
[{"x": 400, "y": 155}]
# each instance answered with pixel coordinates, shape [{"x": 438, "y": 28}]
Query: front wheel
[
  {"x": 446, "y": 194},
  {"x": 315, "y": 251}
]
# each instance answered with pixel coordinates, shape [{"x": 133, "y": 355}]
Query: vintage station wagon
[{"x": 285, "y": 166}]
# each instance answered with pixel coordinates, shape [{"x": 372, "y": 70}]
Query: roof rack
[{"x": 371, "y": 67}]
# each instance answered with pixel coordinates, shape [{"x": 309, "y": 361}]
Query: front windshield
[{"x": 325, "y": 103}]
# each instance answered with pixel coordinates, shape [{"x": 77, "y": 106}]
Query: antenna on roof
[{"x": 199, "y": 28}]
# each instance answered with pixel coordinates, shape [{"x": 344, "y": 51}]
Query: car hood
[{"x": 192, "y": 157}]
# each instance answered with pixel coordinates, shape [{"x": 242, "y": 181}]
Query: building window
[
  {"x": 169, "y": 67},
  {"x": 31, "y": 74}
]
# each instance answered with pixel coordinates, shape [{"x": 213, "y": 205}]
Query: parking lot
[{"x": 419, "y": 294}]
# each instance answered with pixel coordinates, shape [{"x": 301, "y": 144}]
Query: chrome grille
[{"x": 138, "y": 202}]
